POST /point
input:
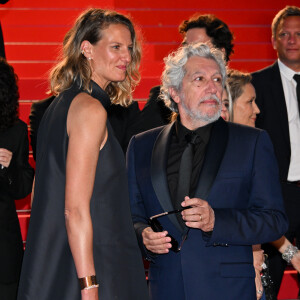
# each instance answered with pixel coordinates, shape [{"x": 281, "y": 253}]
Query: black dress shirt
[{"x": 177, "y": 145}]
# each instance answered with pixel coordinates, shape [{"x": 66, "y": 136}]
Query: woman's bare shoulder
[{"x": 86, "y": 111}]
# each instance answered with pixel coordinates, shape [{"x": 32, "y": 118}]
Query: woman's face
[
  {"x": 225, "y": 106},
  {"x": 245, "y": 108},
  {"x": 111, "y": 55}
]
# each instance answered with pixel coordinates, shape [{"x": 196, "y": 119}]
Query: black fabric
[
  {"x": 177, "y": 145},
  {"x": 273, "y": 115},
  {"x": 154, "y": 113},
  {"x": 2, "y": 49},
  {"x": 297, "y": 79},
  {"x": 185, "y": 172},
  {"x": 185, "y": 159},
  {"x": 15, "y": 183},
  {"x": 8, "y": 291},
  {"x": 122, "y": 120},
  {"x": 48, "y": 270}
]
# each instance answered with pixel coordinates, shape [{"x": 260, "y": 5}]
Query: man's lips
[
  {"x": 210, "y": 101},
  {"x": 292, "y": 49}
]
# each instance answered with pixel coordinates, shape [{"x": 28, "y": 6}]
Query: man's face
[
  {"x": 287, "y": 41},
  {"x": 199, "y": 98},
  {"x": 197, "y": 35}
]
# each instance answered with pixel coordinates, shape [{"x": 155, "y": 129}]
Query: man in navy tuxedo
[
  {"x": 230, "y": 193},
  {"x": 276, "y": 90}
]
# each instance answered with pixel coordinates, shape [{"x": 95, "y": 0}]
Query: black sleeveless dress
[{"x": 48, "y": 271}]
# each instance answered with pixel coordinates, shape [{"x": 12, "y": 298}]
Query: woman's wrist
[
  {"x": 289, "y": 252},
  {"x": 88, "y": 282}
]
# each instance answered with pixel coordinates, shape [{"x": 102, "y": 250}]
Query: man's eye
[
  {"x": 200, "y": 78},
  {"x": 218, "y": 79},
  {"x": 283, "y": 34}
]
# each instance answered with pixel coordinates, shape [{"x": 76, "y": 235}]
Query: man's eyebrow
[{"x": 202, "y": 73}]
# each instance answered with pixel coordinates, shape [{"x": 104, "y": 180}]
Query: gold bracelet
[{"x": 88, "y": 282}]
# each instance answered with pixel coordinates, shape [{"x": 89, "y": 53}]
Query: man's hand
[
  {"x": 200, "y": 215},
  {"x": 156, "y": 242},
  {"x": 5, "y": 157}
]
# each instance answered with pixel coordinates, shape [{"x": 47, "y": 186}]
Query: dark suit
[
  {"x": 273, "y": 118},
  {"x": 154, "y": 114},
  {"x": 122, "y": 120},
  {"x": 15, "y": 183},
  {"x": 239, "y": 180}
]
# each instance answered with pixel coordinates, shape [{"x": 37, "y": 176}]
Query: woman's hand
[
  {"x": 5, "y": 157},
  {"x": 258, "y": 285},
  {"x": 258, "y": 260}
]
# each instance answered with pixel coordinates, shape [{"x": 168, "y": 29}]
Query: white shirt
[{"x": 289, "y": 88}]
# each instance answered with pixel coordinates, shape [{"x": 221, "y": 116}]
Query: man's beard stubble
[{"x": 198, "y": 115}]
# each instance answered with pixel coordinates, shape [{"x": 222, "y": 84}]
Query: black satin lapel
[
  {"x": 279, "y": 100},
  {"x": 213, "y": 158},
  {"x": 159, "y": 172}
]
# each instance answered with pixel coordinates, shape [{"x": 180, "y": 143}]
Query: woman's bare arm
[{"x": 86, "y": 125}]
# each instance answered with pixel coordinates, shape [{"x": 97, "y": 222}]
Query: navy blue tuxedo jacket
[{"x": 239, "y": 179}]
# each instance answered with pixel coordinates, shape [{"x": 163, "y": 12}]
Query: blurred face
[
  {"x": 199, "y": 98},
  {"x": 245, "y": 108},
  {"x": 287, "y": 42},
  {"x": 111, "y": 55},
  {"x": 225, "y": 106},
  {"x": 197, "y": 35}
]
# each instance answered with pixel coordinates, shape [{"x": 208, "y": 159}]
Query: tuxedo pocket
[{"x": 237, "y": 270}]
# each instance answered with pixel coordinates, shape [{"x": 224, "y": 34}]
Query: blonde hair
[{"x": 74, "y": 66}]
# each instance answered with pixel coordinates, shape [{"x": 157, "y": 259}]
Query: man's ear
[
  {"x": 174, "y": 94},
  {"x": 87, "y": 49},
  {"x": 273, "y": 43}
]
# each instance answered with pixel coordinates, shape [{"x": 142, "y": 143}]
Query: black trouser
[{"x": 291, "y": 197}]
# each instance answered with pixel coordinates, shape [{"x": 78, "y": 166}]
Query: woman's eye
[{"x": 116, "y": 46}]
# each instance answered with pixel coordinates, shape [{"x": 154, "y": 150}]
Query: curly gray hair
[{"x": 174, "y": 71}]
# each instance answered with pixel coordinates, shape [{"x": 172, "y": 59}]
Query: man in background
[{"x": 278, "y": 98}]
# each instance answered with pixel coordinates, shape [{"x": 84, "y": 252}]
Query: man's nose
[
  {"x": 292, "y": 39},
  {"x": 212, "y": 86}
]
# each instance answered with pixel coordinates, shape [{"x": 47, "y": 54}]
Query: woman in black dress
[
  {"x": 81, "y": 242},
  {"x": 16, "y": 176}
]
